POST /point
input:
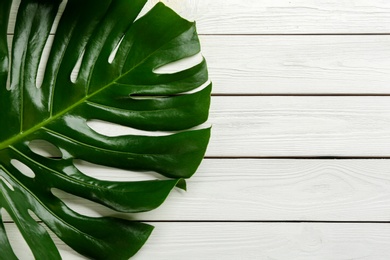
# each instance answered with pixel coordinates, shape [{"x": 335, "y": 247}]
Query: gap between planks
[
  {"x": 249, "y": 221},
  {"x": 297, "y": 157},
  {"x": 294, "y": 34},
  {"x": 300, "y": 95},
  {"x": 280, "y": 34}
]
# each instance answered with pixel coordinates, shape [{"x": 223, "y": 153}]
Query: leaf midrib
[{"x": 22, "y": 135}]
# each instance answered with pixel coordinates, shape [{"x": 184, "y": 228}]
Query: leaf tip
[{"x": 182, "y": 184}]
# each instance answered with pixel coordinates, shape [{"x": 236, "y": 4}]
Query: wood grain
[
  {"x": 259, "y": 190},
  {"x": 279, "y": 16},
  {"x": 291, "y": 126},
  {"x": 298, "y": 64},
  {"x": 233, "y": 241},
  {"x": 267, "y": 241}
]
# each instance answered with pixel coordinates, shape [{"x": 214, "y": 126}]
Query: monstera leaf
[{"x": 118, "y": 83}]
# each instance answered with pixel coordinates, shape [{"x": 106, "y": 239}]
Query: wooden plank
[
  {"x": 298, "y": 64},
  {"x": 291, "y": 126},
  {"x": 252, "y": 241},
  {"x": 292, "y": 64},
  {"x": 267, "y": 241},
  {"x": 279, "y": 16},
  {"x": 246, "y": 190}
]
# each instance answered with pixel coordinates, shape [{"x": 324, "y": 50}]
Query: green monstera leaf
[{"x": 107, "y": 88}]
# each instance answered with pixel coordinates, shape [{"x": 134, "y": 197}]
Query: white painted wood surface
[
  {"x": 298, "y": 64},
  {"x": 232, "y": 241},
  {"x": 287, "y": 17},
  {"x": 247, "y": 123},
  {"x": 300, "y": 126}
]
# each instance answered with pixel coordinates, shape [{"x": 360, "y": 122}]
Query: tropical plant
[{"x": 107, "y": 88}]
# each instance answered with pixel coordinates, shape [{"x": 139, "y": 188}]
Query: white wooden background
[{"x": 299, "y": 161}]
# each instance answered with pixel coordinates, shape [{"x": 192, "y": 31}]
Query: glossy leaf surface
[{"x": 118, "y": 83}]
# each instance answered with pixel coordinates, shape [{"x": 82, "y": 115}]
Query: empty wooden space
[
  {"x": 332, "y": 64},
  {"x": 298, "y": 166},
  {"x": 300, "y": 126}
]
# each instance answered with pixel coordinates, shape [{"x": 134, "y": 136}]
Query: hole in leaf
[
  {"x": 75, "y": 72},
  {"x": 8, "y": 85},
  {"x": 43, "y": 61},
  {"x": 23, "y": 168},
  {"x": 195, "y": 90},
  {"x": 18, "y": 244},
  {"x": 147, "y": 7},
  {"x": 9, "y": 42},
  {"x": 14, "y": 7},
  {"x": 45, "y": 149},
  {"x": 61, "y": 9},
  {"x": 106, "y": 173},
  {"x": 82, "y": 206},
  {"x": 198, "y": 89},
  {"x": 6, "y": 183},
  {"x": 188, "y": 9},
  {"x": 49, "y": 43},
  {"x": 33, "y": 215},
  {"x": 144, "y": 97},
  {"x": 5, "y": 216},
  {"x": 180, "y": 65},
  {"x": 114, "y": 51},
  {"x": 66, "y": 252},
  {"x": 112, "y": 129}
]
